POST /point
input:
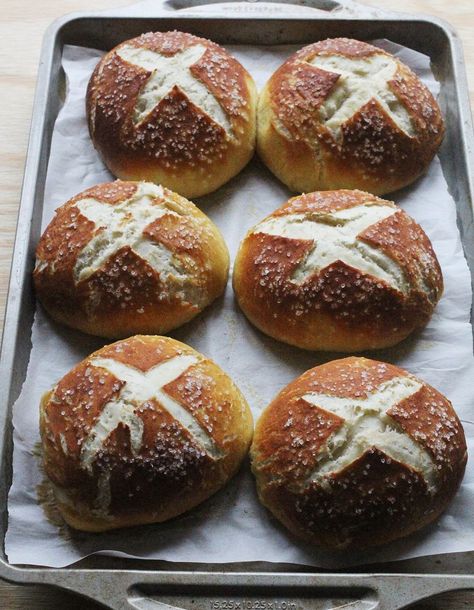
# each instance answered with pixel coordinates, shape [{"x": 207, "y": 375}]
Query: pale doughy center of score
[
  {"x": 367, "y": 425},
  {"x": 335, "y": 238},
  {"x": 361, "y": 80},
  {"x": 139, "y": 388},
  {"x": 168, "y": 72}
]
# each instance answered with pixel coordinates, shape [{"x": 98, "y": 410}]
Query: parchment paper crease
[{"x": 232, "y": 526}]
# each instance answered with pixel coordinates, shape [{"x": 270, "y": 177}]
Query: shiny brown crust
[
  {"x": 125, "y": 295},
  {"x": 171, "y": 473},
  {"x": 374, "y": 155},
  {"x": 340, "y": 308},
  {"x": 177, "y": 144},
  {"x": 376, "y": 498}
]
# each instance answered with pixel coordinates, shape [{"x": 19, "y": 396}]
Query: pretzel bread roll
[
  {"x": 341, "y": 113},
  {"x": 356, "y": 453},
  {"x": 129, "y": 257},
  {"x": 174, "y": 109},
  {"x": 337, "y": 270},
  {"x": 141, "y": 431}
]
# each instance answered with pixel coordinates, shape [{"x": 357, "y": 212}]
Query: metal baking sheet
[{"x": 144, "y": 585}]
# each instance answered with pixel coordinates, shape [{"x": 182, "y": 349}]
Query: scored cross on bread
[
  {"x": 124, "y": 225},
  {"x": 356, "y": 453},
  {"x": 361, "y": 80},
  {"x": 129, "y": 257},
  {"x": 168, "y": 73},
  {"x": 337, "y": 270},
  {"x": 139, "y": 387},
  {"x": 174, "y": 109},
  {"x": 335, "y": 237},
  {"x": 367, "y": 424},
  {"x": 342, "y": 113},
  {"x": 139, "y": 390},
  {"x": 141, "y": 431}
]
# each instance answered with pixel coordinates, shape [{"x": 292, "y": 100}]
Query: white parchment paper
[{"x": 232, "y": 526}]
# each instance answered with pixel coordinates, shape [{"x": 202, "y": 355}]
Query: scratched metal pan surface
[{"x": 143, "y": 585}]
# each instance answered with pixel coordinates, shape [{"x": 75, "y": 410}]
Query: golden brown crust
[
  {"x": 171, "y": 471},
  {"x": 178, "y": 144},
  {"x": 126, "y": 294},
  {"x": 339, "y": 307},
  {"x": 374, "y": 499},
  {"x": 374, "y": 153}
]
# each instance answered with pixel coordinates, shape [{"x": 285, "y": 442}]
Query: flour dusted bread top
[
  {"x": 341, "y": 113},
  {"x": 337, "y": 270},
  {"x": 356, "y": 453},
  {"x": 128, "y": 257},
  {"x": 172, "y": 108},
  {"x": 141, "y": 431}
]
